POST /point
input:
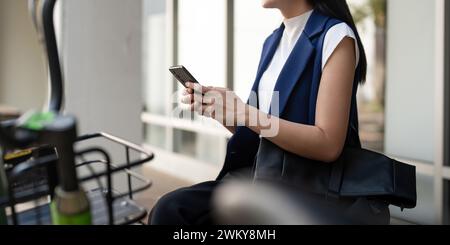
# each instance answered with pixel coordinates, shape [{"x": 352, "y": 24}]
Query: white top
[{"x": 293, "y": 29}]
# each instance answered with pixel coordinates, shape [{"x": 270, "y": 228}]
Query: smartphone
[{"x": 182, "y": 75}]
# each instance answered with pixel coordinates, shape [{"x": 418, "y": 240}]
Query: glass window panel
[
  {"x": 253, "y": 24},
  {"x": 371, "y": 96},
  {"x": 185, "y": 142},
  {"x": 205, "y": 148},
  {"x": 155, "y": 136},
  {"x": 155, "y": 89},
  {"x": 202, "y": 41},
  {"x": 210, "y": 149}
]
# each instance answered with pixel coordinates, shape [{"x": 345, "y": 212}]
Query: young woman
[{"x": 309, "y": 72}]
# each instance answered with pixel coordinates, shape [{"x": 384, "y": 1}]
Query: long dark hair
[{"x": 339, "y": 9}]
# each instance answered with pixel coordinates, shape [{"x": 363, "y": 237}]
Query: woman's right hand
[{"x": 194, "y": 98}]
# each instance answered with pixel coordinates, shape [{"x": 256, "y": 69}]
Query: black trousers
[
  {"x": 185, "y": 206},
  {"x": 192, "y": 206}
]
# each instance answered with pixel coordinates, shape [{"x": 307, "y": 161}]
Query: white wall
[
  {"x": 101, "y": 49},
  {"x": 253, "y": 24},
  {"x": 411, "y": 77},
  {"x": 23, "y": 73},
  {"x": 101, "y": 42}
]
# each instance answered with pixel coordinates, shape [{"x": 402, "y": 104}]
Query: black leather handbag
[{"x": 357, "y": 173}]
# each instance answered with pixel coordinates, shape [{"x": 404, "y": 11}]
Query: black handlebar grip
[{"x": 62, "y": 134}]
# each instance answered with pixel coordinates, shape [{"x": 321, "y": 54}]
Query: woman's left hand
[{"x": 220, "y": 104}]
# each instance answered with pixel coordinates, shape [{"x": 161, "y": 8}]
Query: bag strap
[{"x": 337, "y": 172}]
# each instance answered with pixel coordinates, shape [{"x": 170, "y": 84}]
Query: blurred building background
[{"x": 116, "y": 54}]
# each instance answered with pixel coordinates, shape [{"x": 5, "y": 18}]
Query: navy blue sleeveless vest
[{"x": 298, "y": 86}]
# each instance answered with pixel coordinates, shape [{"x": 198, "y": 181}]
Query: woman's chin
[{"x": 268, "y": 4}]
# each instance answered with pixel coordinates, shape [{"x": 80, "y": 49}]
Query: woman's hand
[{"x": 220, "y": 104}]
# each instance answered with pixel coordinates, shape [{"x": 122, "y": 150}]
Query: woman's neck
[{"x": 296, "y": 8}]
